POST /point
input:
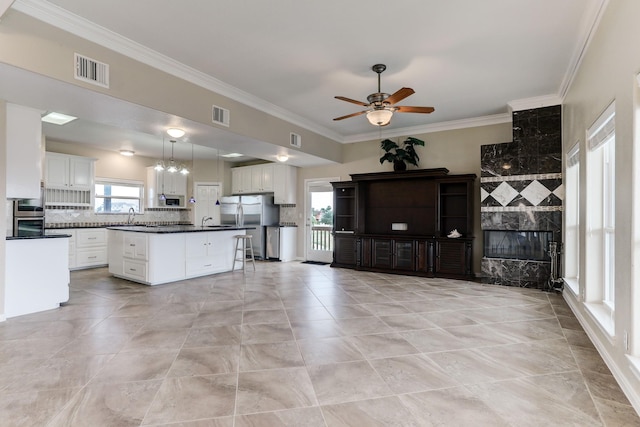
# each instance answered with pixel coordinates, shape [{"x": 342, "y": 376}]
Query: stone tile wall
[{"x": 521, "y": 189}]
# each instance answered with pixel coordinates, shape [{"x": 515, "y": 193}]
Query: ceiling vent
[
  {"x": 91, "y": 71},
  {"x": 295, "y": 140},
  {"x": 221, "y": 116}
]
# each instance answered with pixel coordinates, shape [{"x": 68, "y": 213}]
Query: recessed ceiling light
[
  {"x": 127, "y": 153},
  {"x": 231, "y": 155},
  {"x": 175, "y": 132},
  {"x": 57, "y": 118}
]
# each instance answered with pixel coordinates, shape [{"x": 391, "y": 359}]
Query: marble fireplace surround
[{"x": 521, "y": 190}]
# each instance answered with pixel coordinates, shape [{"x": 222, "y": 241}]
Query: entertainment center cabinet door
[
  {"x": 453, "y": 258},
  {"x": 345, "y": 250}
]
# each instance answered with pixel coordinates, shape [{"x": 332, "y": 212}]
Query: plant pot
[{"x": 399, "y": 165}]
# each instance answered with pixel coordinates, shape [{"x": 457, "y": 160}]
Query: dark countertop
[
  {"x": 58, "y": 225},
  {"x": 46, "y": 236},
  {"x": 165, "y": 229}
]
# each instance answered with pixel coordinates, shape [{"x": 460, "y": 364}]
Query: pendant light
[
  {"x": 160, "y": 163},
  {"x": 218, "y": 176},
  {"x": 192, "y": 199},
  {"x": 172, "y": 168}
]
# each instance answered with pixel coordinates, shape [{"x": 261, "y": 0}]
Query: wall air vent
[
  {"x": 91, "y": 71},
  {"x": 295, "y": 140},
  {"x": 221, "y": 116}
]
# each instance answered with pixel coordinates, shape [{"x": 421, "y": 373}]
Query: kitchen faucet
[
  {"x": 132, "y": 216},
  {"x": 205, "y": 219}
]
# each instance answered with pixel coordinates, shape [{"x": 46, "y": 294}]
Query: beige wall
[
  {"x": 32, "y": 45},
  {"x": 607, "y": 73},
  {"x": 456, "y": 150}
]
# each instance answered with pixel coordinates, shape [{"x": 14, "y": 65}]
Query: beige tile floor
[{"x": 304, "y": 345}]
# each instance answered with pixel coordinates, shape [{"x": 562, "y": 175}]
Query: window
[
  {"x": 572, "y": 220},
  {"x": 118, "y": 196},
  {"x": 600, "y": 248}
]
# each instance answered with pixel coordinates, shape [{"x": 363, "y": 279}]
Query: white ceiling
[{"x": 468, "y": 59}]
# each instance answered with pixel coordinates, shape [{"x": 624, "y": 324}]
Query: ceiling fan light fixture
[{"x": 380, "y": 117}]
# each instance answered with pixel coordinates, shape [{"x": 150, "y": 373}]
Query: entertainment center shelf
[{"x": 398, "y": 222}]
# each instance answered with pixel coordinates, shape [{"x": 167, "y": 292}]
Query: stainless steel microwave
[{"x": 172, "y": 202}]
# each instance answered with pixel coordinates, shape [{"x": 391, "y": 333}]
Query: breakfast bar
[{"x": 154, "y": 255}]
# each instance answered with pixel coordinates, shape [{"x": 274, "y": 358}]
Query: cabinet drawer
[
  {"x": 200, "y": 265},
  {"x": 91, "y": 257},
  {"x": 91, "y": 237},
  {"x": 135, "y": 269}
]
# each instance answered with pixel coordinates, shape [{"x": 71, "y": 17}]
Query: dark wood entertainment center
[{"x": 398, "y": 222}]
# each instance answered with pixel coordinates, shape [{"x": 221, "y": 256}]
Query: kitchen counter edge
[
  {"x": 46, "y": 236},
  {"x": 167, "y": 229}
]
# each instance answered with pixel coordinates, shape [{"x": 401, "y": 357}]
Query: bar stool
[{"x": 242, "y": 240}]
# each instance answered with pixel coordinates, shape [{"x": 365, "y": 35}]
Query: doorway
[
  {"x": 207, "y": 196},
  {"x": 319, "y": 219}
]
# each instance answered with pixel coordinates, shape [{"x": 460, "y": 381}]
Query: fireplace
[{"x": 522, "y": 245}]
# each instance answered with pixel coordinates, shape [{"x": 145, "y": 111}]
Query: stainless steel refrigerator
[{"x": 252, "y": 211}]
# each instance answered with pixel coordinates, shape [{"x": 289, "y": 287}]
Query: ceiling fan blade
[
  {"x": 399, "y": 95},
  {"x": 423, "y": 110},
  {"x": 351, "y": 115},
  {"x": 353, "y": 101}
]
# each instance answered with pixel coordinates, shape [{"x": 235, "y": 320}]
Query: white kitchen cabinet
[
  {"x": 90, "y": 247},
  {"x": 288, "y": 243},
  {"x": 284, "y": 184},
  {"x": 266, "y": 178},
  {"x": 87, "y": 246},
  {"x": 24, "y": 152},
  {"x": 236, "y": 181},
  {"x": 68, "y": 172},
  {"x": 171, "y": 184},
  {"x": 135, "y": 246},
  {"x": 205, "y": 254}
]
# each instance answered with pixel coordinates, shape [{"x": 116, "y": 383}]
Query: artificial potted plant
[{"x": 398, "y": 155}]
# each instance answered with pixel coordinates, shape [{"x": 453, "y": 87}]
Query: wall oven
[{"x": 28, "y": 217}]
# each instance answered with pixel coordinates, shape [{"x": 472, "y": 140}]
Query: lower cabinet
[
  {"x": 87, "y": 246},
  {"x": 345, "y": 252},
  {"x": 433, "y": 257},
  {"x": 206, "y": 254}
]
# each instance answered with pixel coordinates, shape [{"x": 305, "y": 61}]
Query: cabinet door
[
  {"x": 24, "y": 152},
  {"x": 256, "y": 179},
  {"x": 451, "y": 257},
  {"x": 284, "y": 184},
  {"x": 57, "y": 171},
  {"x": 382, "y": 253},
  {"x": 80, "y": 173},
  {"x": 345, "y": 253},
  {"x": 135, "y": 246},
  {"x": 267, "y": 178},
  {"x": 403, "y": 255},
  {"x": 246, "y": 179},
  {"x": 197, "y": 245},
  {"x": 236, "y": 181}
]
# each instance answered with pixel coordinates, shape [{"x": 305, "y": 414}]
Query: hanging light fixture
[
  {"x": 173, "y": 167},
  {"x": 160, "y": 163},
  {"x": 192, "y": 199}
]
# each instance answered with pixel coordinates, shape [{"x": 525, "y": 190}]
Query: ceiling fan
[{"x": 381, "y": 106}]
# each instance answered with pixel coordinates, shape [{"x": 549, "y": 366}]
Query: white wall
[{"x": 607, "y": 73}]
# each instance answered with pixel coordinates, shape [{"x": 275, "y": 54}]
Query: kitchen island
[{"x": 153, "y": 255}]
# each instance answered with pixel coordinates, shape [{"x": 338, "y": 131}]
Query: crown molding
[
  {"x": 590, "y": 22},
  {"x": 534, "y": 102},
  {"x": 74, "y": 24},
  {"x": 431, "y": 128}
]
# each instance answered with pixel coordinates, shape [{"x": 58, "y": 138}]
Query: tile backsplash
[{"x": 70, "y": 217}]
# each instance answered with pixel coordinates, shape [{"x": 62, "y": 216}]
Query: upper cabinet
[
  {"x": 64, "y": 171},
  {"x": 68, "y": 180},
  {"x": 24, "y": 152},
  {"x": 266, "y": 178}
]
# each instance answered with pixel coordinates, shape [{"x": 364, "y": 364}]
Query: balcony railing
[{"x": 321, "y": 238}]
